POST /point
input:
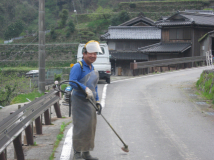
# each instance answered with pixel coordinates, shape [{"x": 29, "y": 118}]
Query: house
[
  {"x": 179, "y": 35},
  {"x": 125, "y": 39},
  {"x": 207, "y": 43}
]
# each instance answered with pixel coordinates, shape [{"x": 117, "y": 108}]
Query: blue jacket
[{"x": 77, "y": 73}]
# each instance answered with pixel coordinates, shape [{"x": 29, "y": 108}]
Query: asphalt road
[{"x": 157, "y": 118}]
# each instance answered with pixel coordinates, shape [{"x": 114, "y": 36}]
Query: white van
[{"x": 102, "y": 63}]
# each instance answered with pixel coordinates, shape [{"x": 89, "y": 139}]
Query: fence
[
  {"x": 165, "y": 62},
  {"x": 12, "y": 126},
  {"x": 209, "y": 59}
]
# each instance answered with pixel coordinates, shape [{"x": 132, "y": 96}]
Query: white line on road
[
  {"x": 66, "y": 150},
  {"x": 104, "y": 95}
]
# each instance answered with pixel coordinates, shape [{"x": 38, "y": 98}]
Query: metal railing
[
  {"x": 12, "y": 126},
  {"x": 166, "y": 62}
]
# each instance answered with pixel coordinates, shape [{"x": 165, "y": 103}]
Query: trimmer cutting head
[{"x": 125, "y": 149}]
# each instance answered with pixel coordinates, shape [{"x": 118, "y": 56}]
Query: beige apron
[{"x": 84, "y": 115}]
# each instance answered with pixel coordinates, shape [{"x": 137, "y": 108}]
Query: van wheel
[{"x": 108, "y": 80}]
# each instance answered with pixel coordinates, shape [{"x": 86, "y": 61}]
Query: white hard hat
[{"x": 93, "y": 46}]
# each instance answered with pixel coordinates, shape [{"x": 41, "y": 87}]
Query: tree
[
  {"x": 71, "y": 26},
  {"x": 53, "y": 33},
  {"x": 70, "y": 29},
  {"x": 122, "y": 17},
  {"x": 103, "y": 2},
  {"x": 14, "y": 29},
  {"x": 64, "y": 16}
]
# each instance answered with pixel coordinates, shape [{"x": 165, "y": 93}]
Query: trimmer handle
[{"x": 72, "y": 82}]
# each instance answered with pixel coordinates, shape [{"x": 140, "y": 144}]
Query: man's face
[{"x": 90, "y": 57}]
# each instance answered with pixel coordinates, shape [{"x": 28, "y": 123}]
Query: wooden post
[
  {"x": 29, "y": 135},
  {"x": 15, "y": 157},
  {"x": 57, "y": 108},
  {"x": 38, "y": 124},
  {"x": 2, "y": 156},
  {"x": 47, "y": 117},
  {"x": 18, "y": 148}
]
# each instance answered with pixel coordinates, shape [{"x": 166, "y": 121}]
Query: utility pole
[{"x": 41, "y": 46}]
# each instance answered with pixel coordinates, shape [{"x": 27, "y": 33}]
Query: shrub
[
  {"x": 132, "y": 5},
  {"x": 57, "y": 77}
]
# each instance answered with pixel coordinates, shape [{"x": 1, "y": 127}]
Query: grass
[
  {"x": 82, "y": 25},
  {"x": 58, "y": 139},
  {"x": 22, "y": 97},
  {"x": 204, "y": 85},
  {"x": 34, "y": 144},
  {"x": 1, "y": 41},
  {"x": 197, "y": 93},
  {"x": 18, "y": 69}
]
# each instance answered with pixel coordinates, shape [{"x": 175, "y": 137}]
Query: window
[
  {"x": 119, "y": 46},
  {"x": 187, "y": 33},
  {"x": 172, "y": 34},
  {"x": 179, "y": 33}
]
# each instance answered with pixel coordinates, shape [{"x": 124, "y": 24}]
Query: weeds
[
  {"x": 58, "y": 139},
  {"x": 205, "y": 85},
  {"x": 23, "y": 97}
]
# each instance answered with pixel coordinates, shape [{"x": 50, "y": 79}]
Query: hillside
[
  {"x": 90, "y": 21},
  {"x": 20, "y": 17}
]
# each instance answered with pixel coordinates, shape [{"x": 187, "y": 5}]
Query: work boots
[
  {"x": 87, "y": 156},
  {"x": 77, "y": 156}
]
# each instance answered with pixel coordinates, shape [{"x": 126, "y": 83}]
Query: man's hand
[
  {"x": 99, "y": 108},
  {"x": 89, "y": 93}
]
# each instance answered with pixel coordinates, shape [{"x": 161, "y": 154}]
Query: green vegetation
[
  {"x": 63, "y": 18},
  {"x": 90, "y": 15},
  {"x": 63, "y": 86},
  {"x": 34, "y": 144},
  {"x": 58, "y": 139},
  {"x": 18, "y": 69},
  {"x": 57, "y": 77},
  {"x": 23, "y": 97},
  {"x": 205, "y": 85},
  {"x": 123, "y": 16},
  {"x": 14, "y": 30}
]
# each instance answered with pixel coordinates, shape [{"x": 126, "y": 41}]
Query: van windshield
[{"x": 83, "y": 50}]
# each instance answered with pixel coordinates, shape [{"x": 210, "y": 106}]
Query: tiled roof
[
  {"x": 129, "y": 56},
  {"x": 188, "y": 18},
  {"x": 132, "y": 32},
  {"x": 166, "y": 48},
  {"x": 140, "y": 18}
]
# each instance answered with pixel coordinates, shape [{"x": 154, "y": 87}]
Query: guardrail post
[
  {"x": 57, "y": 108},
  {"x": 2, "y": 156},
  {"x": 15, "y": 157},
  {"x": 29, "y": 135},
  {"x": 38, "y": 124},
  {"x": 47, "y": 117},
  {"x": 18, "y": 148}
]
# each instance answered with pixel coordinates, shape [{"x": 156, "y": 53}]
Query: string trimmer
[{"x": 125, "y": 148}]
